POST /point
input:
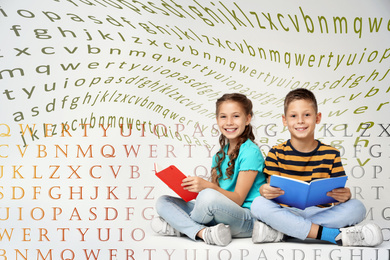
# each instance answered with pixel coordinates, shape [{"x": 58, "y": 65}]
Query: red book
[{"x": 173, "y": 177}]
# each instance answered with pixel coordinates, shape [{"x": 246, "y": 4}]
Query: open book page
[{"x": 301, "y": 194}]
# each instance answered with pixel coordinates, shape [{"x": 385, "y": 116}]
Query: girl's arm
[{"x": 244, "y": 183}]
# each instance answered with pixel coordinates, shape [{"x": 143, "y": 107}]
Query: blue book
[{"x": 300, "y": 194}]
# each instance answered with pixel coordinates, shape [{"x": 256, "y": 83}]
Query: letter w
[
  {"x": 128, "y": 151},
  {"x": 375, "y": 24},
  {"x": 337, "y": 113},
  {"x": 70, "y": 65},
  {"x": 7, "y": 234},
  {"x": 88, "y": 255},
  {"x": 299, "y": 59},
  {"x": 172, "y": 59}
]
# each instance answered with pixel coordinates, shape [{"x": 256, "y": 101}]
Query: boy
[{"x": 304, "y": 158}]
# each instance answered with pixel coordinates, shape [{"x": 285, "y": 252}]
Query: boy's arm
[
  {"x": 341, "y": 194},
  {"x": 270, "y": 167},
  {"x": 269, "y": 192}
]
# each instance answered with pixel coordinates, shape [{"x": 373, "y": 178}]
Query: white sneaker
[
  {"x": 263, "y": 233},
  {"x": 361, "y": 235},
  {"x": 219, "y": 235},
  {"x": 160, "y": 226}
]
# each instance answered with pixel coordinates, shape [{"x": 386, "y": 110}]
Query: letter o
[
  {"x": 42, "y": 213},
  {"x": 142, "y": 234},
  {"x": 353, "y": 171}
]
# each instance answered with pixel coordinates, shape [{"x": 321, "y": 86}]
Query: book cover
[
  {"x": 173, "y": 177},
  {"x": 301, "y": 194}
]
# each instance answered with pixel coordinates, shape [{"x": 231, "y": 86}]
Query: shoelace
[
  {"x": 165, "y": 228},
  {"x": 356, "y": 235},
  {"x": 169, "y": 230},
  {"x": 207, "y": 236},
  {"x": 271, "y": 236}
]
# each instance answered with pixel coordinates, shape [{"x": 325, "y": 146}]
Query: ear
[
  {"x": 318, "y": 118},
  {"x": 284, "y": 120},
  {"x": 248, "y": 119}
]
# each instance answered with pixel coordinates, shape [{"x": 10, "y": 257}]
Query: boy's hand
[
  {"x": 269, "y": 192},
  {"x": 341, "y": 194},
  {"x": 195, "y": 184}
]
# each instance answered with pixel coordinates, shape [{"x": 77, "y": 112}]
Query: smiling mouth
[
  {"x": 301, "y": 128},
  {"x": 230, "y": 130}
]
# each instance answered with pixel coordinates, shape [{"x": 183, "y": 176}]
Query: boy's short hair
[{"x": 298, "y": 94}]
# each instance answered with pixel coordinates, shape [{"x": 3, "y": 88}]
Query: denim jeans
[
  {"x": 297, "y": 223},
  {"x": 210, "y": 208}
]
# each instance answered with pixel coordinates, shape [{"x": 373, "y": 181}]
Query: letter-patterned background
[{"x": 94, "y": 92}]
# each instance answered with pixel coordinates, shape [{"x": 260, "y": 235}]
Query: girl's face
[{"x": 231, "y": 120}]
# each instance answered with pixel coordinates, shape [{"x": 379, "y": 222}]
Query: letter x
[
  {"x": 22, "y": 51},
  {"x": 74, "y": 171},
  {"x": 384, "y": 130}
]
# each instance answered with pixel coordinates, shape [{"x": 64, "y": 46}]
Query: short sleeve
[
  {"x": 251, "y": 159},
  {"x": 337, "y": 169},
  {"x": 271, "y": 163}
]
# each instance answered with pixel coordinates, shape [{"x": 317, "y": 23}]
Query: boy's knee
[
  {"x": 257, "y": 206},
  {"x": 359, "y": 207}
]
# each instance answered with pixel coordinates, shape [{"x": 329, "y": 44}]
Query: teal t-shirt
[{"x": 249, "y": 159}]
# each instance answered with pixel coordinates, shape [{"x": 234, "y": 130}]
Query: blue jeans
[
  {"x": 297, "y": 223},
  {"x": 210, "y": 208}
]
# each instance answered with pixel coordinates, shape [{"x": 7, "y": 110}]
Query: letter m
[
  {"x": 111, "y": 121},
  {"x": 82, "y": 152},
  {"x": 157, "y": 108},
  {"x": 5, "y": 232},
  {"x": 137, "y": 53},
  {"x": 11, "y": 72},
  {"x": 276, "y": 55},
  {"x": 340, "y": 20},
  {"x": 220, "y": 60},
  {"x": 48, "y": 256}
]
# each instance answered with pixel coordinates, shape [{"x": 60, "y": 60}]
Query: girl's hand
[
  {"x": 341, "y": 194},
  {"x": 269, "y": 192},
  {"x": 195, "y": 184}
]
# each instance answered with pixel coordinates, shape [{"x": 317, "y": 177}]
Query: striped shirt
[{"x": 323, "y": 162}]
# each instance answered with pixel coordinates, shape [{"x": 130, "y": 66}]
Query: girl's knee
[
  {"x": 161, "y": 203},
  {"x": 208, "y": 195}
]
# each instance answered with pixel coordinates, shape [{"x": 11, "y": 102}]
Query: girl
[{"x": 222, "y": 208}]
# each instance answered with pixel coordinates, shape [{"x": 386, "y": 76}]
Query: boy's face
[{"x": 301, "y": 119}]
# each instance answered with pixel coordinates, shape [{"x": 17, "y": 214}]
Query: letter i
[
  {"x": 66, "y": 82},
  {"x": 143, "y": 130},
  {"x": 120, "y": 234},
  {"x": 20, "y": 213},
  {"x": 362, "y": 55}
]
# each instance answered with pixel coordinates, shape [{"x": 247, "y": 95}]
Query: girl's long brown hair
[{"x": 246, "y": 104}]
